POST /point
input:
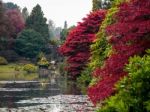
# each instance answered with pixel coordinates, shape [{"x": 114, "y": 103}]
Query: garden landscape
[{"x": 101, "y": 63}]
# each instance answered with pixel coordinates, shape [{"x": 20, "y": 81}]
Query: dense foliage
[
  {"x": 17, "y": 21},
  {"x": 43, "y": 62},
  {"x": 127, "y": 36},
  {"x": 133, "y": 90},
  {"x": 29, "y": 43},
  {"x": 84, "y": 80},
  {"x": 30, "y": 68},
  {"x": 37, "y": 21},
  {"x": 96, "y": 5},
  {"x": 77, "y": 46},
  {"x": 11, "y": 23},
  {"x": 6, "y": 28},
  {"x": 64, "y": 33},
  {"x": 11, "y": 6}
]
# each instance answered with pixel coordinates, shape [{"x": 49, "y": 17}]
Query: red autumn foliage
[
  {"x": 77, "y": 46},
  {"x": 5, "y": 27},
  {"x": 17, "y": 21},
  {"x": 130, "y": 36}
]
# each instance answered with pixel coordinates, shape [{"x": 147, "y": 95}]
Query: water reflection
[
  {"x": 53, "y": 92},
  {"x": 13, "y": 91}
]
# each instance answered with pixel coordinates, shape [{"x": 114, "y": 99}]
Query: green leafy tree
[
  {"x": 51, "y": 28},
  {"x": 102, "y": 4},
  {"x": 64, "y": 32},
  {"x": 37, "y": 21},
  {"x": 97, "y": 4},
  {"x": 29, "y": 43},
  {"x": 11, "y": 5}
]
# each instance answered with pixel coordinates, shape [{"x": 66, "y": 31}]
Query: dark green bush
[{"x": 29, "y": 43}]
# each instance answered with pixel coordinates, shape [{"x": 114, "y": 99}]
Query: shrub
[
  {"x": 18, "y": 68},
  {"x": 100, "y": 50},
  {"x": 133, "y": 90},
  {"x": 3, "y": 61},
  {"x": 61, "y": 68},
  {"x": 30, "y": 68},
  {"x": 84, "y": 80},
  {"x": 43, "y": 62}
]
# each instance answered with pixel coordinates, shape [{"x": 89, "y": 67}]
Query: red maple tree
[
  {"x": 16, "y": 19},
  {"x": 77, "y": 46},
  {"x": 130, "y": 36}
]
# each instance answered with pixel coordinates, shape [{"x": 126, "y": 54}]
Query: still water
[{"x": 51, "y": 94}]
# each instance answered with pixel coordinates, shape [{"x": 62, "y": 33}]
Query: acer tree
[
  {"x": 6, "y": 29},
  {"x": 77, "y": 46},
  {"x": 128, "y": 36},
  {"x": 17, "y": 21}
]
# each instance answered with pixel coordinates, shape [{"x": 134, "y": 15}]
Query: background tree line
[{"x": 27, "y": 34}]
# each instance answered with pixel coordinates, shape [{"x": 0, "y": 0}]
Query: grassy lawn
[
  {"x": 15, "y": 72},
  {"x": 7, "y": 68}
]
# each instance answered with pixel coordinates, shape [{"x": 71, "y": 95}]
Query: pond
[{"x": 29, "y": 93}]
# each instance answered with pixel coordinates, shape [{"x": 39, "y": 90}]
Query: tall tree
[
  {"x": 37, "y": 21},
  {"x": 65, "y": 25},
  {"x": 10, "y": 5},
  {"x": 25, "y": 13},
  {"x": 29, "y": 43},
  {"x": 6, "y": 28},
  {"x": 64, "y": 32},
  {"x": 16, "y": 20},
  {"x": 97, "y": 4},
  {"x": 101, "y": 4},
  {"x": 51, "y": 28},
  {"x": 57, "y": 32},
  {"x": 77, "y": 45}
]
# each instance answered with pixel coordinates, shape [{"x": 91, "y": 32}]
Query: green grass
[
  {"x": 7, "y": 68},
  {"x": 15, "y": 72}
]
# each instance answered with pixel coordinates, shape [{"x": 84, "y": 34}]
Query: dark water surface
[{"x": 51, "y": 94}]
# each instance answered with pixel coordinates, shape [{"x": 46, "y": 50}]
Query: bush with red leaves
[
  {"x": 130, "y": 36},
  {"x": 77, "y": 46}
]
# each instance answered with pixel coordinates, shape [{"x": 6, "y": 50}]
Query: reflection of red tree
[
  {"x": 77, "y": 46},
  {"x": 130, "y": 36}
]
